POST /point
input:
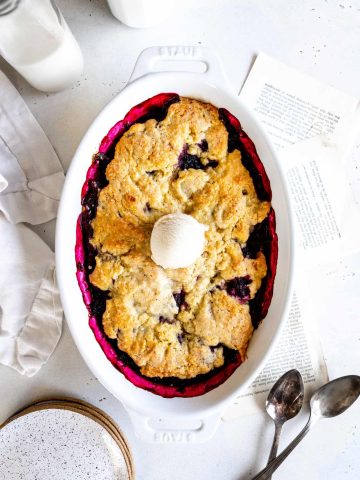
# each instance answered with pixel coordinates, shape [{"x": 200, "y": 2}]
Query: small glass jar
[{"x": 37, "y": 42}]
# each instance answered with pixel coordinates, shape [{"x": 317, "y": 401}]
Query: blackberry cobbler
[{"x": 176, "y": 332}]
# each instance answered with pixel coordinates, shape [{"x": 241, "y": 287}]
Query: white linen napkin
[{"x": 31, "y": 178}]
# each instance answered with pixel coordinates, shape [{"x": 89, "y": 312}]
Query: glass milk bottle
[{"x": 37, "y": 42}]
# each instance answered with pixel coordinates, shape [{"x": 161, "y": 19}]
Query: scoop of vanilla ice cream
[{"x": 177, "y": 240}]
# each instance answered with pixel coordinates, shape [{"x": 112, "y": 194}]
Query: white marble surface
[{"x": 319, "y": 37}]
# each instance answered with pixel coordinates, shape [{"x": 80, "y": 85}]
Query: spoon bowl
[
  {"x": 286, "y": 397},
  {"x": 335, "y": 397},
  {"x": 284, "y": 402}
]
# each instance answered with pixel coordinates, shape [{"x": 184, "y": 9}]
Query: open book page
[
  {"x": 312, "y": 127},
  {"x": 293, "y": 106},
  {"x": 323, "y": 203}
]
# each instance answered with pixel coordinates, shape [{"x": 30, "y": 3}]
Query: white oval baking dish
[{"x": 204, "y": 412}]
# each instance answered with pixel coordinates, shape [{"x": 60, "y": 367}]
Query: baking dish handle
[
  {"x": 180, "y": 59},
  {"x": 165, "y": 432}
]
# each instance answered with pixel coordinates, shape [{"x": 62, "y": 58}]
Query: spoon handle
[
  {"x": 275, "y": 444},
  {"x": 266, "y": 473}
]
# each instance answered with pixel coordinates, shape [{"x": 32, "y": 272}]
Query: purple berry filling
[
  {"x": 179, "y": 298},
  {"x": 212, "y": 164},
  {"x": 166, "y": 320},
  {"x": 257, "y": 240},
  {"x": 186, "y": 161},
  {"x": 238, "y": 287},
  {"x": 259, "y": 305},
  {"x": 204, "y": 145}
]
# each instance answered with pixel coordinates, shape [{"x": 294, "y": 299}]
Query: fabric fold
[
  {"x": 30, "y": 171},
  {"x": 30, "y": 307},
  {"x": 42, "y": 329}
]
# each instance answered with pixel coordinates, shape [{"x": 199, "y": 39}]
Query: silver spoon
[
  {"x": 330, "y": 400},
  {"x": 284, "y": 402}
]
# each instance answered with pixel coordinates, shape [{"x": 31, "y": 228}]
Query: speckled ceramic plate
[
  {"x": 85, "y": 408},
  {"x": 62, "y": 442}
]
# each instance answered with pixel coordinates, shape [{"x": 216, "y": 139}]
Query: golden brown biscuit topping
[{"x": 175, "y": 322}]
